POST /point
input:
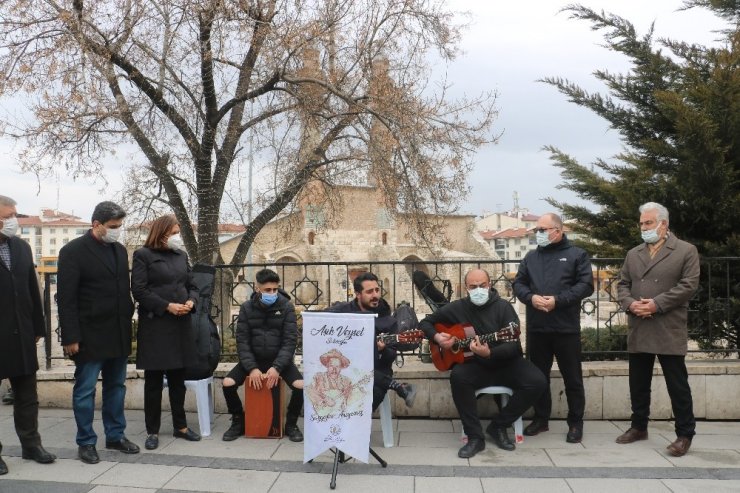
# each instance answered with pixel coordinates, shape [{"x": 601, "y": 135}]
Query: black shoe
[
  {"x": 575, "y": 434},
  {"x": 152, "y": 441},
  {"x": 39, "y": 454},
  {"x": 3, "y": 467},
  {"x": 500, "y": 437},
  {"x": 536, "y": 427},
  {"x": 9, "y": 397},
  {"x": 123, "y": 445},
  {"x": 188, "y": 435},
  {"x": 88, "y": 454},
  {"x": 471, "y": 448},
  {"x": 236, "y": 429},
  {"x": 293, "y": 433},
  {"x": 407, "y": 392}
]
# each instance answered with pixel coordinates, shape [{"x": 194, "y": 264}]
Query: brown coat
[{"x": 670, "y": 279}]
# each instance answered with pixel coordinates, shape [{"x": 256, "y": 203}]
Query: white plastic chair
[
  {"x": 204, "y": 401},
  {"x": 505, "y": 392},
  {"x": 386, "y": 421}
]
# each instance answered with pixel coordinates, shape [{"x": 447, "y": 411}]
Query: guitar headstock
[
  {"x": 509, "y": 333},
  {"x": 410, "y": 336}
]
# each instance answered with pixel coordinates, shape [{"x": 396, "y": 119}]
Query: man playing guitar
[
  {"x": 368, "y": 300},
  {"x": 493, "y": 363}
]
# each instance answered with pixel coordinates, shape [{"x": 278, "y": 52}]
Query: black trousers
[
  {"x": 677, "y": 382},
  {"x": 26, "y": 410},
  {"x": 289, "y": 374},
  {"x": 382, "y": 377},
  {"x": 520, "y": 375},
  {"x": 153, "y": 385},
  {"x": 567, "y": 349}
]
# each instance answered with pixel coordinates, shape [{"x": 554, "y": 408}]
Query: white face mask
[
  {"x": 543, "y": 238},
  {"x": 175, "y": 242},
  {"x": 112, "y": 235},
  {"x": 478, "y": 296},
  {"x": 10, "y": 227}
]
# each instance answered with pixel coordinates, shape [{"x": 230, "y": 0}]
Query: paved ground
[{"x": 424, "y": 460}]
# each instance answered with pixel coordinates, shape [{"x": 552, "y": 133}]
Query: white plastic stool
[
  {"x": 386, "y": 422},
  {"x": 204, "y": 401},
  {"x": 505, "y": 392}
]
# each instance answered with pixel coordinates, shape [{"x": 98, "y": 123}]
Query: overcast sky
[{"x": 508, "y": 46}]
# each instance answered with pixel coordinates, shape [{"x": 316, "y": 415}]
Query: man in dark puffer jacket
[{"x": 266, "y": 335}]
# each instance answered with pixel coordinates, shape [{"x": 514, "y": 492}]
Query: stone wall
[{"x": 715, "y": 386}]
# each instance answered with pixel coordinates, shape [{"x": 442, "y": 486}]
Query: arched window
[
  {"x": 311, "y": 237},
  {"x": 384, "y": 238}
]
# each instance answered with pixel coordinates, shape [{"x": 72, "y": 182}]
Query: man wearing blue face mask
[
  {"x": 656, "y": 282},
  {"x": 551, "y": 281},
  {"x": 266, "y": 335}
]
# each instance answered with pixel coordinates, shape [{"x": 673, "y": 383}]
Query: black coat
[
  {"x": 94, "y": 298},
  {"x": 266, "y": 335},
  {"x": 385, "y": 323},
  {"x": 21, "y": 312},
  {"x": 491, "y": 317},
  {"x": 561, "y": 270},
  {"x": 158, "y": 278}
]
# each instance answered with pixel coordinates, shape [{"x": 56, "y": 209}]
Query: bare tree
[{"x": 315, "y": 93}]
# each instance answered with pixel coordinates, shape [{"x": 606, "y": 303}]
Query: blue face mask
[
  {"x": 268, "y": 298},
  {"x": 478, "y": 296},
  {"x": 650, "y": 236},
  {"x": 543, "y": 238}
]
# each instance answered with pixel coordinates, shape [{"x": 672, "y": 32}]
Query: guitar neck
[{"x": 503, "y": 334}]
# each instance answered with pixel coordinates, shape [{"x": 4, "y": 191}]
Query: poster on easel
[{"x": 338, "y": 389}]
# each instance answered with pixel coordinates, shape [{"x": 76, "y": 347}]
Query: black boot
[
  {"x": 292, "y": 431},
  {"x": 236, "y": 429},
  {"x": 3, "y": 465},
  {"x": 407, "y": 392}
]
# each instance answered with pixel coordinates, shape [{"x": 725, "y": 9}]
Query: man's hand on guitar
[
  {"x": 479, "y": 348},
  {"x": 445, "y": 341},
  {"x": 255, "y": 379},
  {"x": 380, "y": 344},
  {"x": 272, "y": 376}
]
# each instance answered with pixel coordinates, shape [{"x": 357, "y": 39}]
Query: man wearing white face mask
[
  {"x": 494, "y": 363},
  {"x": 656, "y": 282},
  {"x": 95, "y": 310},
  {"x": 551, "y": 281},
  {"x": 21, "y": 327}
]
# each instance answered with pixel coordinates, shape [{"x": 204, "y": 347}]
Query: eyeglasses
[{"x": 542, "y": 230}]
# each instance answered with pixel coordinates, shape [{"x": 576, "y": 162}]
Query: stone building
[{"x": 359, "y": 236}]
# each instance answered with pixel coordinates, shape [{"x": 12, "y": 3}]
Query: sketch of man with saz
[{"x": 331, "y": 392}]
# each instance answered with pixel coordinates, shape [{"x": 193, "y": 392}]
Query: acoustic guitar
[{"x": 443, "y": 359}]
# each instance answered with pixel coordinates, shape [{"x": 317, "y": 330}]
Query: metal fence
[{"x": 316, "y": 285}]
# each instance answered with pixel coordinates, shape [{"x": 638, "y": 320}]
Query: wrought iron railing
[{"x": 713, "y": 312}]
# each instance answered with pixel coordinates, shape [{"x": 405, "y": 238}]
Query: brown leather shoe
[
  {"x": 632, "y": 435},
  {"x": 679, "y": 447}
]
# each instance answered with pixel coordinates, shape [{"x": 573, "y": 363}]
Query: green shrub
[{"x": 601, "y": 344}]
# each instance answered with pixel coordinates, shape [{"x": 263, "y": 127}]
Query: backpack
[
  {"x": 205, "y": 330},
  {"x": 407, "y": 320}
]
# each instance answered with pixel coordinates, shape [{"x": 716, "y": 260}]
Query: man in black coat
[
  {"x": 266, "y": 335},
  {"x": 95, "y": 310},
  {"x": 493, "y": 364},
  {"x": 21, "y": 327},
  {"x": 552, "y": 280},
  {"x": 368, "y": 299}
]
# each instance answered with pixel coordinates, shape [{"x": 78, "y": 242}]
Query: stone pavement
[{"x": 424, "y": 460}]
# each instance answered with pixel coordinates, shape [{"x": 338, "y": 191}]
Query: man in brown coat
[{"x": 656, "y": 282}]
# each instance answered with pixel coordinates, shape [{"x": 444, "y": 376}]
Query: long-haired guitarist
[
  {"x": 492, "y": 363},
  {"x": 368, "y": 299}
]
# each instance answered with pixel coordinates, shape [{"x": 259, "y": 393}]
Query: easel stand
[{"x": 339, "y": 458}]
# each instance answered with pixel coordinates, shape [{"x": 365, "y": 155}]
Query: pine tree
[{"x": 677, "y": 111}]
